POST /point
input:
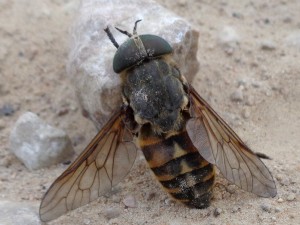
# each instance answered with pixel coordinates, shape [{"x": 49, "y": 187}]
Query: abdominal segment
[{"x": 179, "y": 167}]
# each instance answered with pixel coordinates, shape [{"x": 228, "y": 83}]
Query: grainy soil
[{"x": 255, "y": 87}]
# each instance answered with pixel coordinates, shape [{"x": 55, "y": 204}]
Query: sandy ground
[{"x": 264, "y": 67}]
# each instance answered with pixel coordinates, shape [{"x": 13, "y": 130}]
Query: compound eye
[
  {"x": 155, "y": 45},
  {"x": 128, "y": 54}
]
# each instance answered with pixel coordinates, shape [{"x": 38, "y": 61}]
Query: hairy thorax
[{"x": 154, "y": 91}]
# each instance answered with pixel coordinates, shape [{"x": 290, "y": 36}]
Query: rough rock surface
[
  {"x": 17, "y": 213},
  {"x": 37, "y": 144},
  {"x": 91, "y": 54}
]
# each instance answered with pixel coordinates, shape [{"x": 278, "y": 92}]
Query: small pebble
[
  {"x": 246, "y": 113},
  {"x": 130, "y": 201},
  {"x": 237, "y": 96},
  {"x": 268, "y": 45},
  {"x": 291, "y": 197},
  {"x": 280, "y": 200},
  {"x": 228, "y": 36},
  {"x": 229, "y": 39},
  {"x": 217, "y": 212},
  {"x": 277, "y": 209},
  {"x": 169, "y": 201},
  {"x": 111, "y": 213},
  {"x": 273, "y": 218},
  {"x": 237, "y": 15},
  {"x": 67, "y": 162},
  {"x": 7, "y": 110},
  {"x": 242, "y": 83},
  {"x": 266, "y": 208},
  {"x": 279, "y": 176},
  {"x": 256, "y": 84}
]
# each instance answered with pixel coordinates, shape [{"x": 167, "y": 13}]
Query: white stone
[
  {"x": 38, "y": 144},
  {"x": 228, "y": 37},
  {"x": 91, "y": 52},
  {"x": 15, "y": 213},
  {"x": 130, "y": 201}
]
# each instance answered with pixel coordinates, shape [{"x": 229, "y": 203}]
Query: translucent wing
[
  {"x": 220, "y": 145},
  {"x": 104, "y": 163}
]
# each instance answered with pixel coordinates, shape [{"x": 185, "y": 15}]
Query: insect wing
[
  {"x": 220, "y": 145},
  {"x": 103, "y": 164}
]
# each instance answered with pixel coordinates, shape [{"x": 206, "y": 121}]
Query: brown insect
[{"x": 181, "y": 136}]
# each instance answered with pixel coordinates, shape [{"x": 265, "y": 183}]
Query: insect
[{"x": 181, "y": 136}]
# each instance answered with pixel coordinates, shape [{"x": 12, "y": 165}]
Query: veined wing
[
  {"x": 103, "y": 164},
  {"x": 220, "y": 145}
]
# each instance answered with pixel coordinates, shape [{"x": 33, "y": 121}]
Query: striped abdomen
[{"x": 179, "y": 167}]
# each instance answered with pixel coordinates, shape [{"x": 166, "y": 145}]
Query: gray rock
[
  {"x": 266, "y": 208},
  {"x": 37, "y": 144},
  {"x": 130, "y": 201},
  {"x": 277, "y": 209},
  {"x": 16, "y": 213},
  {"x": 90, "y": 59},
  {"x": 7, "y": 110}
]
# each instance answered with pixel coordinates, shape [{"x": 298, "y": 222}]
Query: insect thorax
[{"x": 154, "y": 91}]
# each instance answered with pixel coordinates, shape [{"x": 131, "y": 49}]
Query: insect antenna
[
  {"x": 111, "y": 37},
  {"x": 124, "y": 32},
  {"x": 135, "y": 26}
]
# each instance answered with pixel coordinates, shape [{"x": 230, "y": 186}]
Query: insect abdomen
[{"x": 179, "y": 167}]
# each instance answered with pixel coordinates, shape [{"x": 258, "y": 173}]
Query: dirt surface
[{"x": 254, "y": 86}]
